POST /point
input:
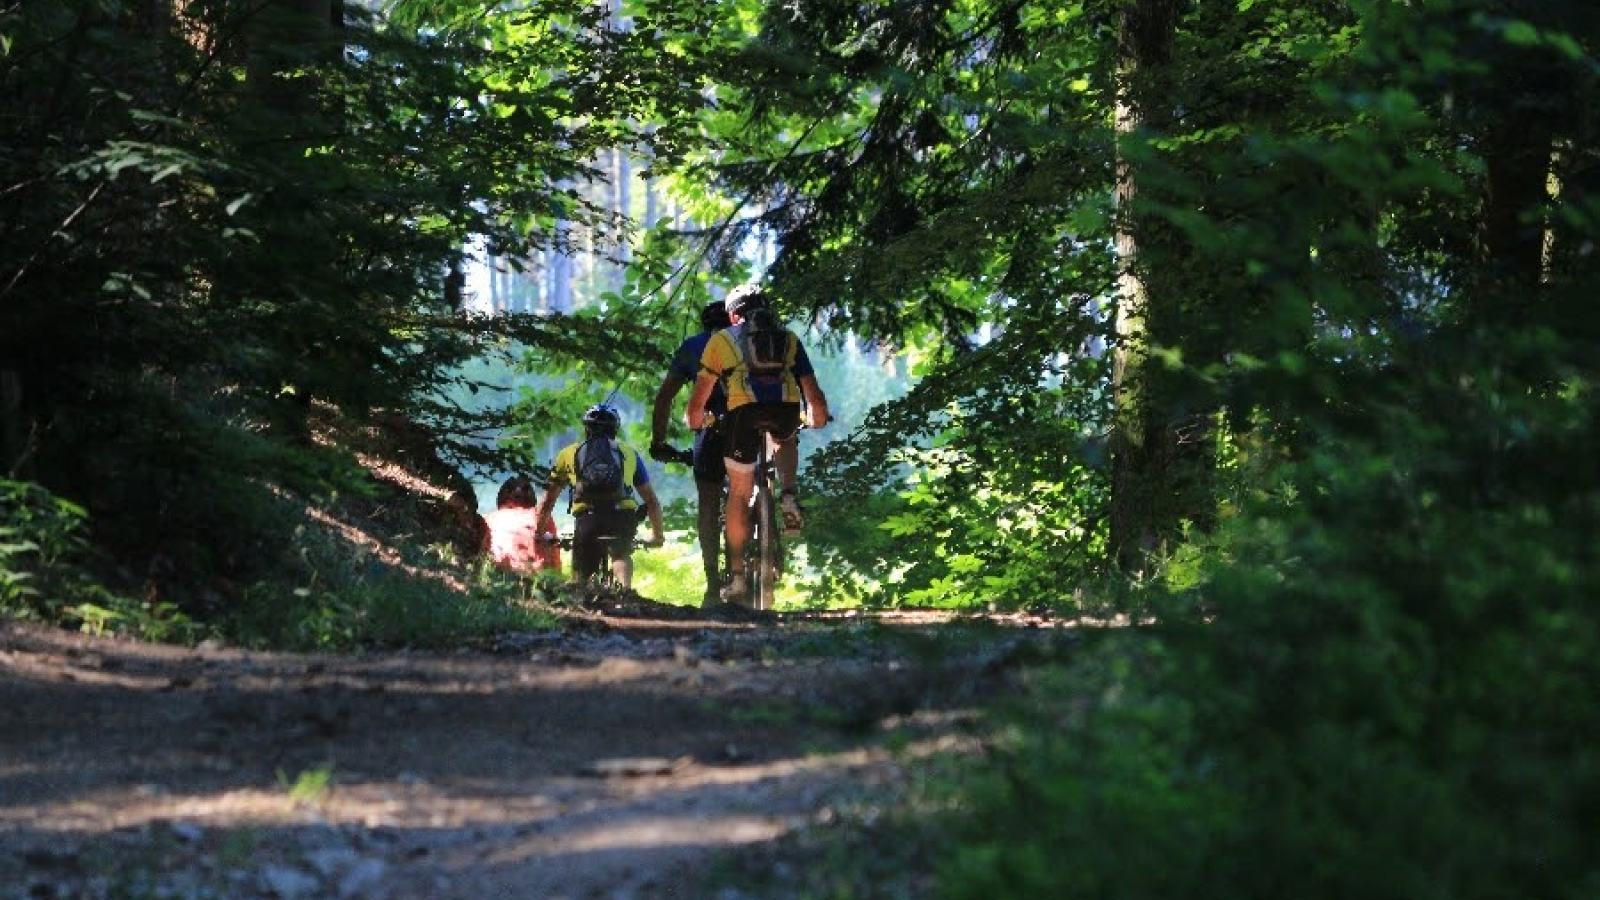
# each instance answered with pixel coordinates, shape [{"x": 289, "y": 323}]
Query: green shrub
[
  {"x": 331, "y": 594},
  {"x": 44, "y": 574},
  {"x": 1385, "y": 689}
]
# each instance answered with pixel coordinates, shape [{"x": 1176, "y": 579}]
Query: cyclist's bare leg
[
  {"x": 786, "y": 459},
  {"x": 709, "y": 526},
  {"x": 622, "y": 571},
  {"x": 741, "y": 481}
]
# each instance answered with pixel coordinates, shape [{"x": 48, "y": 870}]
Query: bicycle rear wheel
[{"x": 769, "y": 552}]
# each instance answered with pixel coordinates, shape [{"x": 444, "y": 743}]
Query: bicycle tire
[
  {"x": 603, "y": 578},
  {"x": 769, "y": 551}
]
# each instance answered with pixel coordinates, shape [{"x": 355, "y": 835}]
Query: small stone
[{"x": 286, "y": 883}]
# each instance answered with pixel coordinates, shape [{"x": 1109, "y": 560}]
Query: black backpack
[
  {"x": 764, "y": 344},
  {"x": 599, "y": 475}
]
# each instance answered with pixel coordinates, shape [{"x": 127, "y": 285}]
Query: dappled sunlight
[
  {"x": 144, "y": 804},
  {"x": 646, "y": 833},
  {"x": 578, "y": 755},
  {"x": 413, "y": 802},
  {"x": 380, "y": 549}
]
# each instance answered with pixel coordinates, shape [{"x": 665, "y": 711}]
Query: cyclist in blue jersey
[{"x": 709, "y": 471}]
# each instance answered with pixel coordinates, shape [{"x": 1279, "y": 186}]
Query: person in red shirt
[{"x": 514, "y": 531}]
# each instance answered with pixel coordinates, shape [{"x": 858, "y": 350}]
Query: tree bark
[
  {"x": 283, "y": 40},
  {"x": 1144, "y": 445},
  {"x": 622, "y": 181},
  {"x": 15, "y": 447}
]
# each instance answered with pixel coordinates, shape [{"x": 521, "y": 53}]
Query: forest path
[{"x": 613, "y": 759}]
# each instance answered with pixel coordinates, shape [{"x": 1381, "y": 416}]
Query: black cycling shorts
[
  {"x": 596, "y": 531},
  {"x": 747, "y": 425},
  {"x": 708, "y": 449}
]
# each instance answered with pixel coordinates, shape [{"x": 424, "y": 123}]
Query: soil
[{"x": 623, "y": 756}]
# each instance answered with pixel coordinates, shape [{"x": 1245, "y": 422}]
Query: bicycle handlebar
[
  {"x": 666, "y": 453},
  {"x": 564, "y": 541}
]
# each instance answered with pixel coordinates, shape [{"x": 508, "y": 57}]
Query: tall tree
[
  {"x": 1144, "y": 508},
  {"x": 267, "y": 201}
]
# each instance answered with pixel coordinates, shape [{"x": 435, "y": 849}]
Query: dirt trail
[{"x": 614, "y": 759}]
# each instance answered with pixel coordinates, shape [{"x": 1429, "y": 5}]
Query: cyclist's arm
[
  {"x": 661, "y": 413},
  {"x": 695, "y": 415},
  {"x": 652, "y": 505},
  {"x": 548, "y": 503},
  {"x": 561, "y": 475},
  {"x": 816, "y": 401}
]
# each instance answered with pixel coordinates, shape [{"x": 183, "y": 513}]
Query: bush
[
  {"x": 1389, "y": 689},
  {"x": 44, "y": 574}
]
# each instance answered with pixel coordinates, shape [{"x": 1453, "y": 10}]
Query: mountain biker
[
  {"x": 603, "y": 520},
  {"x": 514, "y": 532},
  {"x": 709, "y": 471},
  {"x": 759, "y": 408}
]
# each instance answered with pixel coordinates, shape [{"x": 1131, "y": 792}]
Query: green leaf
[{"x": 1522, "y": 34}]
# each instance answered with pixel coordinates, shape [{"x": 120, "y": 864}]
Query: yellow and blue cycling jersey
[
  {"x": 564, "y": 471},
  {"x": 723, "y": 359},
  {"x": 686, "y": 365}
]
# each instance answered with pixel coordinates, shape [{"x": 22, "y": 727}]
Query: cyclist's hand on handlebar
[
  {"x": 666, "y": 453},
  {"x": 656, "y": 541}
]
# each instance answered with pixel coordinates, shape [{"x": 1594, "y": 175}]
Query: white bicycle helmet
[{"x": 743, "y": 297}]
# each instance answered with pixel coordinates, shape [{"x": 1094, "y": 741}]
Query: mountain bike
[
  {"x": 764, "y": 553},
  {"x": 764, "y": 550},
  {"x": 605, "y": 576}
]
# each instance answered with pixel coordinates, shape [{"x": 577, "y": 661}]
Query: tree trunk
[
  {"x": 558, "y": 272},
  {"x": 285, "y": 36},
  {"x": 622, "y": 179},
  {"x": 1517, "y": 152},
  {"x": 1142, "y": 490},
  {"x": 15, "y": 446},
  {"x": 283, "y": 40},
  {"x": 652, "y": 204}
]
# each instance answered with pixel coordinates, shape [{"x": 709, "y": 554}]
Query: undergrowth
[
  {"x": 323, "y": 592},
  {"x": 46, "y": 575}
]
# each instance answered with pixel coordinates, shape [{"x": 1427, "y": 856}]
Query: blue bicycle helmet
[{"x": 602, "y": 419}]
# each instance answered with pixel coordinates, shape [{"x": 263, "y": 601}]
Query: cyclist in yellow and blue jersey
[
  {"x": 760, "y": 407},
  {"x": 608, "y": 521}
]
